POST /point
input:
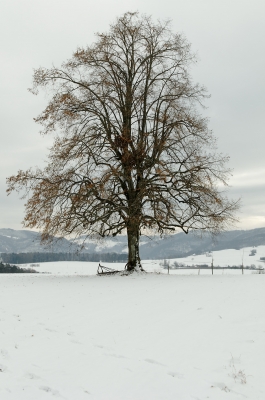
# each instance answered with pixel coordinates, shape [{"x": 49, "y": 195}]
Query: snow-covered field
[
  {"x": 221, "y": 258},
  {"x": 73, "y": 335}
]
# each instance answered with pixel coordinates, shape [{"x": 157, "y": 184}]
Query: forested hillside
[{"x": 115, "y": 249}]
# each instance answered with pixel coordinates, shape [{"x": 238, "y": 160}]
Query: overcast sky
[{"x": 227, "y": 35}]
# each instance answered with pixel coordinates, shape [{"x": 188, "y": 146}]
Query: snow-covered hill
[
  {"x": 24, "y": 241},
  {"x": 174, "y": 246}
]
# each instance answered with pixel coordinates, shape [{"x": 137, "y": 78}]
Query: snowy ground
[{"x": 73, "y": 335}]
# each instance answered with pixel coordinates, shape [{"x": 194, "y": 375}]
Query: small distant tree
[
  {"x": 177, "y": 264},
  {"x": 130, "y": 152}
]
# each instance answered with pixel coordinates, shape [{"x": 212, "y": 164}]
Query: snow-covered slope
[
  {"x": 139, "y": 337},
  {"x": 178, "y": 245},
  {"x": 225, "y": 258},
  {"x": 20, "y": 241},
  {"x": 181, "y": 245}
]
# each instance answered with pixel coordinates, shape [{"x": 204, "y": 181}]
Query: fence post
[{"x": 212, "y": 266}]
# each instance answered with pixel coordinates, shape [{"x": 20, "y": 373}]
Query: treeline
[
  {"x": 26, "y": 258},
  {"x": 13, "y": 269}
]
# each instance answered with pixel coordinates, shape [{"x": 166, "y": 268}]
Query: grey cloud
[{"x": 228, "y": 36}]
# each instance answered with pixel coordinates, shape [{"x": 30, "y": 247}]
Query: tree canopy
[{"x": 131, "y": 152}]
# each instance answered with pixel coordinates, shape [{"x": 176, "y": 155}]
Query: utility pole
[
  {"x": 242, "y": 263},
  {"x": 212, "y": 266}
]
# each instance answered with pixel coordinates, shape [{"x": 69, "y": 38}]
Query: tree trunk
[{"x": 134, "y": 262}]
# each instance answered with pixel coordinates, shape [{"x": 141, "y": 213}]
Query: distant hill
[
  {"x": 182, "y": 245},
  {"x": 178, "y": 245},
  {"x": 22, "y": 241}
]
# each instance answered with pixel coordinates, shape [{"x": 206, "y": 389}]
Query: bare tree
[{"x": 131, "y": 152}]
